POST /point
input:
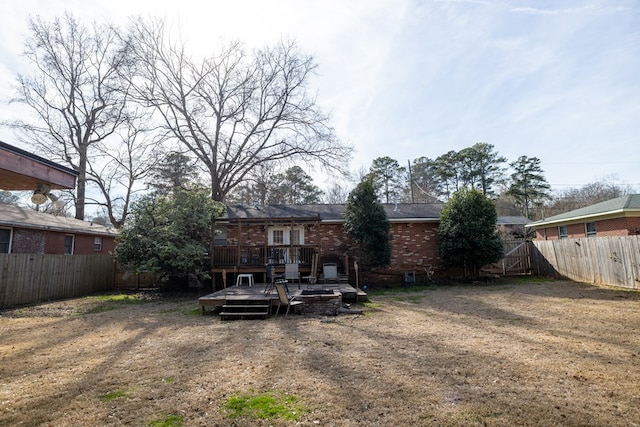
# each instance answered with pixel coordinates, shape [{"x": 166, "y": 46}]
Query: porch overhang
[{"x": 21, "y": 170}]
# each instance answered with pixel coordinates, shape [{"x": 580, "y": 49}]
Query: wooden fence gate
[{"x": 516, "y": 260}]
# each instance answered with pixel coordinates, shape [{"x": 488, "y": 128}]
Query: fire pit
[
  {"x": 317, "y": 292},
  {"x": 321, "y": 301}
]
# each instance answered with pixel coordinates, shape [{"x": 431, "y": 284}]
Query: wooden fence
[
  {"x": 31, "y": 278},
  {"x": 611, "y": 260},
  {"x": 516, "y": 259}
]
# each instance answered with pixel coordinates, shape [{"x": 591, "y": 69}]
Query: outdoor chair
[
  {"x": 311, "y": 278},
  {"x": 330, "y": 272},
  {"x": 291, "y": 272},
  {"x": 285, "y": 300}
]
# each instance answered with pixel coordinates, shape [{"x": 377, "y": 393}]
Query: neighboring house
[
  {"x": 27, "y": 231},
  {"x": 615, "y": 217},
  {"x": 251, "y": 236},
  {"x": 513, "y": 226}
]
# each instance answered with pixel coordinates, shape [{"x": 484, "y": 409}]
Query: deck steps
[{"x": 245, "y": 309}]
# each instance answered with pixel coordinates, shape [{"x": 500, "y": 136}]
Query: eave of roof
[
  {"x": 623, "y": 206},
  {"x": 19, "y": 217},
  {"x": 24, "y": 171},
  {"x": 328, "y": 213}
]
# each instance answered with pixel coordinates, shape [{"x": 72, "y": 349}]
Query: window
[
  {"x": 68, "y": 244},
  {"x": 97, "y": 244},
  {"x": 295, "y": 236},
  {"x": 286, "y": 236},
  {"x": 563, "y": 233},
  {"x": 277, "y": 237},
  {"x": 590, "y": 229},
  {"x": 5, "y": 240}
]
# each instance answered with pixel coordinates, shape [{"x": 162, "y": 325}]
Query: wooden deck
[{"x": 256, "y": 294}]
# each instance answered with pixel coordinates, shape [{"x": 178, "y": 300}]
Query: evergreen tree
[
  {"x": 480, "y": 167},
  {"x": 446, "y": 169},
  {"x": 425, "y": 185},
  {"x": 467, "y": 233},
  {"x": 367, "y": 223},
  {"x": 388, "y": 179},
  {"x": 529, "y": 188},
  {"x": 169, "y": 234},
  {"x": 294, "y": 186},
  {"x": 173, "y": 173}
]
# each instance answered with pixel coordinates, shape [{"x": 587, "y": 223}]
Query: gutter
[{"x": 581, "y": 218}]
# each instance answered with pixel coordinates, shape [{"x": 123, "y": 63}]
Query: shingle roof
[
  {"x": 329, "y": 212},
  {"x": 621, "y": 205},
  {"x": 17, "y": 216},
  {"x": 513, "y": 220}
]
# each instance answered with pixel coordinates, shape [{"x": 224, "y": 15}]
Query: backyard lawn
[{"x": 527, "y": 353}]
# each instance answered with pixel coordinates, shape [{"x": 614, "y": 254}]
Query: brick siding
[
  {"x": 28, "y": 241},
  {"x": 413, "y": 245},
  {"x": 624, "y": 226}
]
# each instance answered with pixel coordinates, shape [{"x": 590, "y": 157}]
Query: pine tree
[{"x": 528, "y": 187}]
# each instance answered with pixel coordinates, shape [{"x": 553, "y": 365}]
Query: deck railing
[{"x": 244, "y": 255}]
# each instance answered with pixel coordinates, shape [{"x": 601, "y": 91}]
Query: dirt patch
[{"x": 538, "y": 354}]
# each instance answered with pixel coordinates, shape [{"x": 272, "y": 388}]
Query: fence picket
[
  {"x": 31, "y": 278},
  {"x": 607, "y": 260}
]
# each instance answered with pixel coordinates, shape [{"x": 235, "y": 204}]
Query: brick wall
[
  {"x": 29, "y": 241},
  {"x": 26, "y": 241},
  {"x": 413, "y": 244},
  {"x": 626, "y": 226}
]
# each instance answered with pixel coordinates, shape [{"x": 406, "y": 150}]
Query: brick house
[
  {"x": 615, "y": 217},
  {"x": 249, "y": 237},
  {"x": 27, "y": 231}
]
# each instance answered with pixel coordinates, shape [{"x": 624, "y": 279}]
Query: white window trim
[
  {"x": 97, "y": 243},
  {"x": 563, "y": 236},
  {"x": 73, "y": 244},
  {"x": 590, "y": 233},
  {"x": 286, "y": 235}
]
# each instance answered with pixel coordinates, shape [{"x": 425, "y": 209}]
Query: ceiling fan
[{"x": 42, "y": 193}]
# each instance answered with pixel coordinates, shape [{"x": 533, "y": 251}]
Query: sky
[{"x": 558, "y": 80}]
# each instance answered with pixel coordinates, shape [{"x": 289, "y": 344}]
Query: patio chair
[
  {"x": 291, "y": 272},
  {"x": 330, "y": 272},
  {"x": 311, "y": 278},
  {"x": 285, "y": 300}
]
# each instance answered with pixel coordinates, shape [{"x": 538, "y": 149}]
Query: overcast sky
[{"x": 558, "y": 80}]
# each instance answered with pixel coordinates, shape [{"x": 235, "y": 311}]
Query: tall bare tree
[
  {"x": 80, "y": 108},
  {"x": 234, "y": 110}
]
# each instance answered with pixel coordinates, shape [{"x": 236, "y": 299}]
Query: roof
[
  {"x": 21, "y": 170},
  {"x": 513, "y": 220},
  {"x": 17, "y": 216},
  {"x": 401, "y": 212},
  {"x": 628, "y": 205}
]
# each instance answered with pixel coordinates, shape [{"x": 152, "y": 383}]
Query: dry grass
[{"x": 537, "y": 354}]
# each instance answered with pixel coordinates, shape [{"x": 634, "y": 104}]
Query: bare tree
[
  {"x": 337, "y": 194},
  {"x": 128, "y": 158},
  {"x": 234, "y": 110},
  {"x": 81, "y": 108}
]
